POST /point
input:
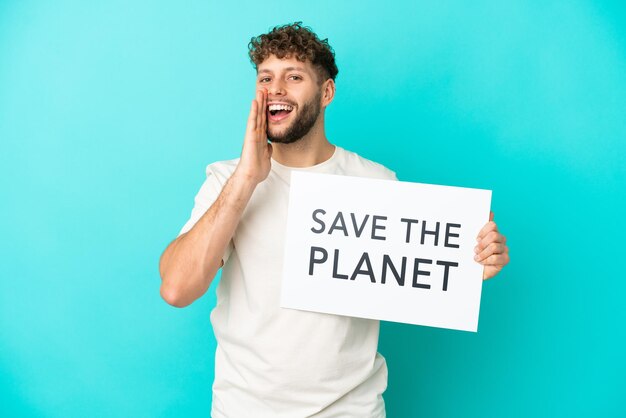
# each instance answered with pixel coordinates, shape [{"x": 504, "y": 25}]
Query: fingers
[
  {"x": 489, "y": 226},
  {"x": 494, "y": 248},
  {"x": 261, "y": 98},
  {"x": 252, "y": 117},
  {"x": 257, "y": 118},
  {"x": 264, "y": 113},
  {"x": 496, "y": 260},
  {"x": 490, "y": 237},
  {"x": 490, "y": 216}
]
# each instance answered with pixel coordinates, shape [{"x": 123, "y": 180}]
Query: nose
[{"x": 277, "y": 88}]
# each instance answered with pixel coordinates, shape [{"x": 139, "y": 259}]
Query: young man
[{"x": 270, "y": 361}]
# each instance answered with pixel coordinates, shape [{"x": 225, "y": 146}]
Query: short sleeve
[{"x": 206, "y": 196}]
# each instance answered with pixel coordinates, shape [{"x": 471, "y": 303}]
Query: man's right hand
[
  {"x": 255, "y": 162},
  {"x": 190, "y": 262}
]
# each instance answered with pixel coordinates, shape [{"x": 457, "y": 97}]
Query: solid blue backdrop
[{"x": 110, "y": 111}]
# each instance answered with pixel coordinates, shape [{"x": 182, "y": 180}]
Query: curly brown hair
[{"x": 295, "y": 40}]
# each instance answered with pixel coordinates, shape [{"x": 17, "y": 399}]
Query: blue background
[{"x": 110, "y": 111}]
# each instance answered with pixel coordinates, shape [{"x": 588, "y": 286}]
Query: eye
[
  {"x": 264, "y": 79},
  {"x": 295, "y": 77}
]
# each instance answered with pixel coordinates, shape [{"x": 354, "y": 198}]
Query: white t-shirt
[{"x": 277, "y": 362}]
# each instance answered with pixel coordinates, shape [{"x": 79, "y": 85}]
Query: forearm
[{"x": 189, "y": 264}]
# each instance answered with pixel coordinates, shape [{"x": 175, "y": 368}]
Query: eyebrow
[{"x": 302, "y": 69}]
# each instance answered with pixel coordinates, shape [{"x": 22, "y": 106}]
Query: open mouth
[{"x": 278, "y": 112}]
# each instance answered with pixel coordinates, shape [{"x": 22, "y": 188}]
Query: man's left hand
[{"x": 491, "y": 250}]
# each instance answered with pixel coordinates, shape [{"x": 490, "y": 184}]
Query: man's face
[{"x": 294, "y": 97}]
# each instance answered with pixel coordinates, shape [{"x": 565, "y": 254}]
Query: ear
[{"x": 328, "y": 92}]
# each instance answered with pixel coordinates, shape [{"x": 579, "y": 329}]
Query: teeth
[{"x": 279, "y": 107}]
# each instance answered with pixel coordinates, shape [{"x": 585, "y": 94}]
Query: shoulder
[
  {"x": 355, "y": 165},
  {"x": 221, "y": 170}
]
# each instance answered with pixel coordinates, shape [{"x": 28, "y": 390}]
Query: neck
[{"x": 312, "y": 149}]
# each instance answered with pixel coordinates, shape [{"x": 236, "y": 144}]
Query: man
[{"x": 270, "y": 361}]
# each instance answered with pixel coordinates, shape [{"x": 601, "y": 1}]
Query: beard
[{"x": 301, "y": 125}]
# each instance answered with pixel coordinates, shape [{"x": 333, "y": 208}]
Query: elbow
[
  {"x": 173, "y": 297},
  {"x": 177, "y": 292},
  {"x": 180, "y": 287},
  {"x": 169, "y": 293}
]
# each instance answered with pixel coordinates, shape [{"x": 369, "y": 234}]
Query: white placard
[{"x": 383, "y": 249}]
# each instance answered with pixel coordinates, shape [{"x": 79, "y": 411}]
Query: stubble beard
[{"x": 301, "y": 125}]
